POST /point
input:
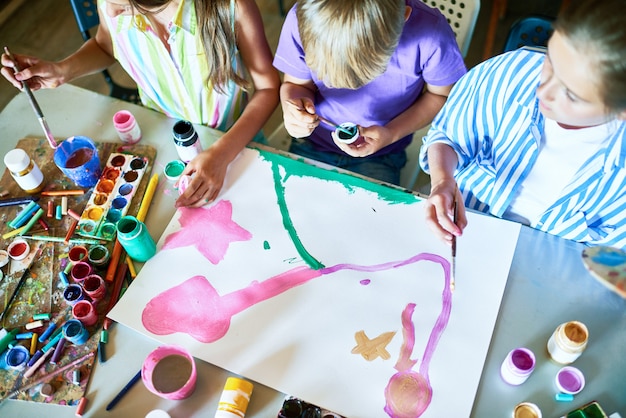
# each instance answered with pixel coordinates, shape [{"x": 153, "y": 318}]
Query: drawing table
[{"x": 547, "y": 285}]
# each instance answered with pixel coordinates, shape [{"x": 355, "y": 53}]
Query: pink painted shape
[
  {"x": 212, "y": 232},
  {"x": 195, "y": 308}
]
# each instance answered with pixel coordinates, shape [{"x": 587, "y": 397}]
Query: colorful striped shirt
[
  {"x": 174, "y": 83},
  {"x": 492, "y": 120}
]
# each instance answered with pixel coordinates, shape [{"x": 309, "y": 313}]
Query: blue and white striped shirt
[{"x": 492, "y": 120}]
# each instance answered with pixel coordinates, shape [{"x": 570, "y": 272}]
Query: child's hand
[
  {"x": 299, "y": 117},
  {"x": 209, "y": 170},
  {"x": 376, "y": 137},
  {"x": 439, "y": 210},
  {"x": 37, "y": 73}
]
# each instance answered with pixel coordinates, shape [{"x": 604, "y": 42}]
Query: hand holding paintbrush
[
  {"x": 33, "y": 101},
  {"x": 322, "y": 119}
]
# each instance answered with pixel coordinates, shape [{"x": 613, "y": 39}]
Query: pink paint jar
[
  {"x": 169, "y": 372},
  {"x": 85, "y": 312},
  {"x": 80, "y": 271},
  {"x": 94, "y": 287},
  {"x": 517, "y": 366},
  {"x": 127, "y": 127}
]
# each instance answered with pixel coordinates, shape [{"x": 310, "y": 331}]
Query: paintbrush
[
  {"x": 453, "y": 274},
  {"x": 33, "y": 102},
  {"x": 48, "y": 377},
  {"x": 15, "y": 292},
  {"x": 326, "y": 121}
]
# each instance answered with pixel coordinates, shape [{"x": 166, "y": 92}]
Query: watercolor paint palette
[{"x": 112, "y": 195}]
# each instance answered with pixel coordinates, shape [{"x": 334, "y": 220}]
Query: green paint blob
[{"x": 266, "y": 245}]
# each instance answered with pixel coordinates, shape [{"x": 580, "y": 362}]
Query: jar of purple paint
[{"x": 517, "y": 366}]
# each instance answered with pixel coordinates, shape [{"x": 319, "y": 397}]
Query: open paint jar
[
  {"x": 526, "y": 410},
  {"x": 570, "y": 380},
  {"x": 169, "y": 372},
  {"x": 348, "y": 133},
  {"x": 77, "y": 157}
]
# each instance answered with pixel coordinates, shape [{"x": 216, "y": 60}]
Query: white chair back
[{"x": 461, "y": 15}]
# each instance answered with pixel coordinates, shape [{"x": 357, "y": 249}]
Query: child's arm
[{"x": 209, "y": 167}]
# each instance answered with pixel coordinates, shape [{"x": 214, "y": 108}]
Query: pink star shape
[{"x": 210, "y": 230}]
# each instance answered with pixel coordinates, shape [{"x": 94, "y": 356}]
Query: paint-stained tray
[{"x": 43, "y": 290}]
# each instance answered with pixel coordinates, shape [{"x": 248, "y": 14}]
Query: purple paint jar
[
  {"x": 517, "y": 366},
  {"x": 570, "y": 380}
]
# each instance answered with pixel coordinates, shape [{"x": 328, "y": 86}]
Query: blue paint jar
[
  {"x": 135, "y": 238},
  {"x": 75, "y": 332}
]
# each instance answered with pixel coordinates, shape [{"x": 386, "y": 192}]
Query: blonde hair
[
  {"x": 219, "y": 41},
  {"x": 348, "y": 43}
]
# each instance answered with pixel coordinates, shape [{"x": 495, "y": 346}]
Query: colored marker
[
  {"x": 32, "y": 221},
  {"x": 124, "y": 390}
]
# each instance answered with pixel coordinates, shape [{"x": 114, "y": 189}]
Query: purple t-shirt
[{"x": 427, "y": 52}]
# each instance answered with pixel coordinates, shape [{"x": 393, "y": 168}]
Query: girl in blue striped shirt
[{"x": 539, "y": 138}]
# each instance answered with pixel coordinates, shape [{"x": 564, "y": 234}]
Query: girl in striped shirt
[
  {"x": 205, "y": 61},
  {"x": 539, "y": 138}
]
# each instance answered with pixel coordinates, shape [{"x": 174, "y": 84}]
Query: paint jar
[
  {"x": 157, "y": 413},
  {"x": 135, "y": 238},
  {"x": 570, "y": 380},
  {"x": 98, "y": 255},
  {"x": 234, "y": 399},
  {"x": 77, "y": 253},
  {"x": 517, "y": 366},
  {"x": 349, "y": 134},
  {"x": 80, "y": 271},
  {"x": 95, "y": 288},
  {"x": 73, "y": 293},
  {"x": 24, "y": 171},
  {"x": 77, "y": 157},
  {"x": 127, "y": 127},
  {"x": 17, "y": 357},
  {"x": 75, "y": 332},
  {"x": 170, "y": 372},
  {"x": 526, "y": 410},
  {"x": 85, "y": 312},
  {"x": 174, "y": 169},
  {"x": 18, "y": 249},
  {"x": 186, "y": 140},
  {"x": 568, "y": 342}
]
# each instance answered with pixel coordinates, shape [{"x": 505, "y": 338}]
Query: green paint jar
[{"x": 135, "y": 238}]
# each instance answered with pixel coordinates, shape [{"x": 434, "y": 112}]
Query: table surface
[{"x": 547, "y": 285}]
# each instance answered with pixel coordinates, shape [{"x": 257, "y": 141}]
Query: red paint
[
  {"x": 17, "y": 249},
  {"x": 79, "y": 158}
]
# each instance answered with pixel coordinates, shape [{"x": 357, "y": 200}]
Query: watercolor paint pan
[{"x": 112, "y": 196}]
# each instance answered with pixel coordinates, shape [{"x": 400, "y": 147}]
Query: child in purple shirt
[{"x": 386, "y": 66}]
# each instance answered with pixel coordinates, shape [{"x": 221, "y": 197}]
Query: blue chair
[
  {"x": 533, "y": 31},
  {"x": 86, "y": 14}
]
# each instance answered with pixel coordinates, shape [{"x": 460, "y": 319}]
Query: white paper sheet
[{"x": 298, "y": 338}]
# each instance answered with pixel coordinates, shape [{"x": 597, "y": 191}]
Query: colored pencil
[
  {"x": 33, "y": 102},
  {"x": 18, "y": 201},
  {"x": 63, "y": 193},
  {"x": 124, "y": 390}
]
